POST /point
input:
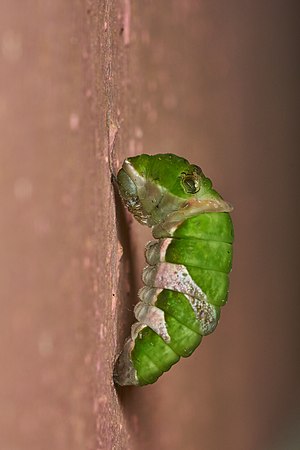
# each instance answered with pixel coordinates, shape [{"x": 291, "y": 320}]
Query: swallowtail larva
[{"x": 186, "y": 280}]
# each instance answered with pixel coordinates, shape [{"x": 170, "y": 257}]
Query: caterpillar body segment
[{"x": 186, "y": 280}]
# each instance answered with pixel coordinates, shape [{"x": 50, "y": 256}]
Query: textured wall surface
[{"x": 84, "y": 84}]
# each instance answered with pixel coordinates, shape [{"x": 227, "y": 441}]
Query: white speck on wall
[
  {"x": 113, "y": 304},
  {"x": 86, "y": 262},
  {"x": 66, "y": 199},
  {"x": 170, "y": 101},
  {"x": 85, "y": 54},
  {"x": 74, "y": 121},
  {"x": 102, "y": 331},
  {"x": 45, "y": 344},
  {"x": 11, "y": 46},
  {"x": 23, "y": 189},
  {"x": 152, "y": 116},
  {"x": 138, "y": 132},
  {"x": 41, "y": 226},
  {"x": 127, "y": 20}
]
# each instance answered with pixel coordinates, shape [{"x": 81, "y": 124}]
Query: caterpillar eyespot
[
  {"x": 190, "y": 183},
  {"x": 186, "y": 280}
]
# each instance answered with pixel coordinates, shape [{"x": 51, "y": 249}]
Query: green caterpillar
[{"x": 186, "y": 281}]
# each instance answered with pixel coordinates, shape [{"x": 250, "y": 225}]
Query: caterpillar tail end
[{"x": 124, "y": 371}]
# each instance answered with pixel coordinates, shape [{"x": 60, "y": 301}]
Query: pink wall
[{"x": 85, "y": 83}]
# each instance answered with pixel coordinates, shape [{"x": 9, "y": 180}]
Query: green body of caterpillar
[{"x": 186, "y": 281}]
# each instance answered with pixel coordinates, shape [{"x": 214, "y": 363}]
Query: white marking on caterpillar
[
  {"x": 155, "y": 251},
  {"x": 174, "y": 277},
  {"x": 154, "y": 318},
  {"x": 192, "y": 208},
  {"x": 206, "y": 314}
]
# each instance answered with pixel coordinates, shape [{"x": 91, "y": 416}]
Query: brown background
[{"x": 83, "y": 85}]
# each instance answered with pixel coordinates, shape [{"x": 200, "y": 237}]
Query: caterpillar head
[{"x": 164, "y": 187}]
